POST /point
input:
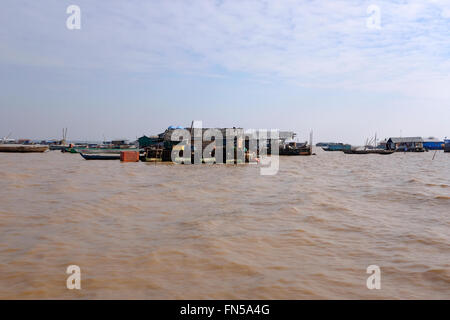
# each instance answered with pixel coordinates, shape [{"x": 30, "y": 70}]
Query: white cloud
[{"x": 321, "y": 44}]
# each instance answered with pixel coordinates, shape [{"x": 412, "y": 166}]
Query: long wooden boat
[
  {"x": 368, "y": 151},
  {"x": 355, "y": 151},
  {"x": 23, "y": 148},
  {"x": 103, "y": 151},
  {"x": 380, "y": 151},
  {"x": 100, "y": 156}
]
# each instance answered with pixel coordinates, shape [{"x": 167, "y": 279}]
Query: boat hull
[
  {"x": 355, "y": 151},
  {"x": 100, "y": 156},
  {"x": 23, "y": 148},
  {"x": 296, "y": 150},
  {"x": 103, "y": 151},
  {"x": 381, "y": 151},
  {"x": 337, "y": 147},
  {"x": 369, "y": 151},
  {"x": 57, "y": 147}
]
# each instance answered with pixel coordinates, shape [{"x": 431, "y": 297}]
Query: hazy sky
[{"x": 136, "y": 67}]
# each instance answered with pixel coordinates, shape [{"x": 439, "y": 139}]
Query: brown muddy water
[{"x": 146, "y": 231}]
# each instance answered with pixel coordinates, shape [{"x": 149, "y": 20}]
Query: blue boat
[
  {"x": 447, "y": 145},
  {"x": 337, "y": 147},
  {"x": 433, "y": 144}
]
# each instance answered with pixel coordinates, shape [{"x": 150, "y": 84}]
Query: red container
[{"x": 129, "y": 156}]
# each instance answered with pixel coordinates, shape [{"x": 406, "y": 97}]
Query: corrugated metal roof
[{"x": 405, "y": 139}]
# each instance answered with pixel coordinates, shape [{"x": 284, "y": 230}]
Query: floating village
[{"x": 215, "y": 145}]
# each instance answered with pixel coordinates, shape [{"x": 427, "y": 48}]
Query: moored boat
[
  {"x": 356, "y": 151},
  {"x": 336, "y": 147},
  {"x": 380, "y": 151},
  {"x": 368, "y": 151},
  {"x": 100, "y": 156},
  {"x": 23, "y": 148},
  {"x": 370, "y": 147},
  {"x": 69, "y": 149},
  {"x": 54, "y": 147},
  {"x": 103, "y": 150},
  {"x": 295, "y": 149}
]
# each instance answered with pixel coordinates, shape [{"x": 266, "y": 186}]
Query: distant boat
[
  {"x": 58, "y": 144},
  {"x": 69, "y": 149},
  {"x": 356, "y": 151},
  {"x": 100, "y": 156},
  {"x": 103, "y": 150},
  {"x": 336, "y": 147},
  {"x": 380, "y": 151},
  {"x": 447, "y": 145},
  {"x": 323, "y": 144},
  {"x": 368, "y": 151},
  {"x": 57, "y": 147},
  {"x": 23, "y": 148},
  {"x": 433, "y": 143},
  {"x": 295, "y": 149},
  {"x": 371, "y": 147}
]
